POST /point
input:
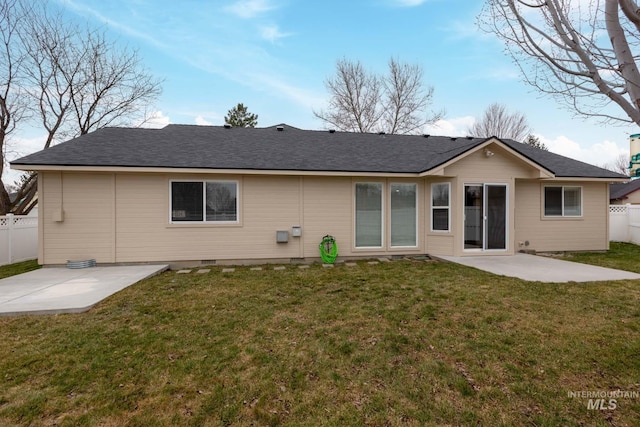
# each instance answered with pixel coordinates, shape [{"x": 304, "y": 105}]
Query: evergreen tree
[
  {"x": 239, "y": 116},
  {"x": 534, "y": 141}
]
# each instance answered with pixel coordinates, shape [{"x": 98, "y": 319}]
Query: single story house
[
  {"x": 206, "y": 194},
  {"x": 623, "y": 193}
]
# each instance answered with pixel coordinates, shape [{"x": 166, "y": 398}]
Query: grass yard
[
  {"x": 18, "y": 268},
  {"x": 623, "y": 256},
  {"x": 402, "y": 343}
]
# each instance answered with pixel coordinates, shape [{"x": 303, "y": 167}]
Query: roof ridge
[{"x": 213, "y": 147}]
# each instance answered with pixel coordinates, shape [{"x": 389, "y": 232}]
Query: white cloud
[
  {"x": 502, "y": 73},
  {"x": 249, "y": 8},
  {"x": 276, "y": 85},
  {"x": 272, "y": 33},
  {"x": 85, "y": 10},
  {"x": 459, "y": 30},
  {"x": 18, "y": 147},
  {"x": 156, "y": 120},
  {"x": 201, "y": 121},
  {"x": 600, "y": 153},
  {"x": 456, "y": 126}
]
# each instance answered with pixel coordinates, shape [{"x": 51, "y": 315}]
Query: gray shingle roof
[
  {"x": 292, "y": 149},
  {"x": 619, "y": 191}
]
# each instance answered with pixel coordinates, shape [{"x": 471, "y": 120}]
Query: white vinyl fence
[
  {"x": 624, "y": 223},
  {"x": 18, "y": 238}
]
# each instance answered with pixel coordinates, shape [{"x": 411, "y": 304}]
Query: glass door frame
[{"x": 484, "y": 213}]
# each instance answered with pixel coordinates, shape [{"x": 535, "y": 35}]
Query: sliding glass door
[{"x": 485, "y": 216}]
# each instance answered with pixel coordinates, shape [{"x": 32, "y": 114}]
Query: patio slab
[
  {"x": 63, "y": 290},
  {"x": 536, "y": 268}
]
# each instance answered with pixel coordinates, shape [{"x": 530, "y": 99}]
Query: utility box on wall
[
  {"x": 296, "y": 231},
  {"x": 282, "y": 236}
]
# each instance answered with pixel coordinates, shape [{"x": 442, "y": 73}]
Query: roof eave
[
  {"x": 178, "y": 170},
  {"x": 439, "y": 169},
  {"x": 589, "y": 178}
]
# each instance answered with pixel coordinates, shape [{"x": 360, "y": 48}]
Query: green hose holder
[{"x": 328, "y": 249}]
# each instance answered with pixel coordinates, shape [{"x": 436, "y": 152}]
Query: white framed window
[
  {"x": 369, "y": 218},
  {"x": 204, "y": 202},
  {"x": 404, "y": 215},
  {"x": 562, "y": 201},
  {"x": 441, "y": 206}
]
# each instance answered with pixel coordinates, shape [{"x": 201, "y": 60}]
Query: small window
[
  {"x": 204, "y": 201},
  {"x": 563, "y": 201},
  {"x": 440, "y": 206}
]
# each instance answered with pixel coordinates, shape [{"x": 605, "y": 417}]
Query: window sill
[
  {"x": 368, "y": 249},
  {"x": 204, "y": 225},
  {"x": 562, "y": 218}
]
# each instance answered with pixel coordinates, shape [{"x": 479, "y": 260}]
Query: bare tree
[
  {"x": 561, "y": 49},
  {"x": 406, "y": 99},
  {"x": 354, "y": 98},
  {"x": 73, "y": 80},
  {"x": 361, "y": 101},
  {"x": 620, "y": 164},
  {"x": 12, "y": 101},
  {"x": 497, "y": 121}
]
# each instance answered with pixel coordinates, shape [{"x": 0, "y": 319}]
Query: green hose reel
[{"x": 328, "y": 249}]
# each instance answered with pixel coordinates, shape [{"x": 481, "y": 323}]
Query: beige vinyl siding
[
  {"x": 633, "y": 198},
  {"x": 142, "y": 211},
  {"x": 87, "y": 229},
  {"x": 503, "y": 166},
  {"x": 440, "y": 244},
  {"x": 269, "y": 204},
  {"x": 327, "y": 209},
  {"x": 124, "y": 217},
  {"x": 588, "y": 232},
  {"x": 266, "y": 204}
]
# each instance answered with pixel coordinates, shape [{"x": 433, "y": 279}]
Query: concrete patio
[
  {"x": 64, "y": 290},
  {"x": 536, "y": 268}
]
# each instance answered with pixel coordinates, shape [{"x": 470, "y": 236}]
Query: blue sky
[{"x": 274, "y": 55}]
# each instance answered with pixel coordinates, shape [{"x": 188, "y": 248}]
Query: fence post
[{"x": 10, "y": 225}]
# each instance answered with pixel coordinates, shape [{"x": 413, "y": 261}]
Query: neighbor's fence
[
  {"x": 624, "y": 223},
  {"x": 18, "y": 238}
]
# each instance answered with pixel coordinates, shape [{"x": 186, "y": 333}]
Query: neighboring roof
[
  {"x": 620, "y": 191},
  {"x": 289, "y": 149}
]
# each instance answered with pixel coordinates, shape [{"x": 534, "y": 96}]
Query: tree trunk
[
  {"x": 5, "y": 201},
  {"x": 626, "y": 61}
]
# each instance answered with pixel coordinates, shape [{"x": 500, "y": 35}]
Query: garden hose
[{"x": 328, "y": 249}]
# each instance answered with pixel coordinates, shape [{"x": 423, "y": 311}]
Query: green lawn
[
  {"x": 402, "y": 343},
  {"x": 623, "y": 256},
  {"x": 18, "y": 268}
]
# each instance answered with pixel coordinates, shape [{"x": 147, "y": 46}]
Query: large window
[
  {"x": 562, "y": 201},
  {"x": 204, "y": 201},
  {"x": 403, "y": 215},
  {"x": 440, "y": 206},
  {"x": 368, "y": 215}
]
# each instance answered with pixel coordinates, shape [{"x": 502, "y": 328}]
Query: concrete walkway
[
  {"x": 537, "y": 268},
  {"x": 64, "y": 290}
]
